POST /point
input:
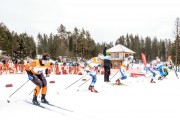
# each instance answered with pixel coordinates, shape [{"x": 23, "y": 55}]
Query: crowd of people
[
  {"x": 8, "y": 66},
  {"x": 12, "y": 66}
]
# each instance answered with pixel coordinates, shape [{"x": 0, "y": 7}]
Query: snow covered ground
[{"x": 138, "y": 99}]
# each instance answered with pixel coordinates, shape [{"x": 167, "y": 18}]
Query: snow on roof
[{"x": 120, "y": 48}]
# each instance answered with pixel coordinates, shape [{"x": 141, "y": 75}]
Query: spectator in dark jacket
[
  {"x": 107, "y": 65},
  {"x": 107, "y": 68}
]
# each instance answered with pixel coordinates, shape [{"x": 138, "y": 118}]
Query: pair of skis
[
  {"x": 41, "y": 106},
  {"x": 47, "y": 108},
  {"x": 115, "y": 84}
]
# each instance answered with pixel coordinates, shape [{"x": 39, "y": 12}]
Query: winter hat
[{"x": 45, "y": 56}]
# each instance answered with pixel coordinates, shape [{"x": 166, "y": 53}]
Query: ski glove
[
  {"x": 88, "y": 71},
  {"x": 30, "y": 77}
]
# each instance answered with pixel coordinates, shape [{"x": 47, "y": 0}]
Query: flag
[
  {"x": 169, "y": 58},
  {"x": 143, "y": 59}
]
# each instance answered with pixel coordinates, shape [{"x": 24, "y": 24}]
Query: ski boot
[
  {"x": 34, "y": 101},
  {"x": 43, "y": 99},
  {"x": 118, "y": 82},
  {"x": 93, "y": 90},
  {"x": 90, "y": 87},
  {"x": 160, "y": 78},
  {"x": 152, "y": 81}
]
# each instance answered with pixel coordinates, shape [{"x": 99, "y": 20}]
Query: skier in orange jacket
[{"x": 35, "y": 71}]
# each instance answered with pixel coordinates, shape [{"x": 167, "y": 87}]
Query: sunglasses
[{"x": 46, "y": 59}]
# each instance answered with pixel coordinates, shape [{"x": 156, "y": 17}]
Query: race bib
[{"x": 39, "y": 70}]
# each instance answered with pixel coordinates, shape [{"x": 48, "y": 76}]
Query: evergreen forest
[{"x": 80, "y": 43}]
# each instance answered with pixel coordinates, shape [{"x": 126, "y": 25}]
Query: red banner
[
  {"x": 143, "y": 59},
  {"x": 169, "y": 58}
]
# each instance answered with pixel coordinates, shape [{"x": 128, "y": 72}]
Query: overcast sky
[{"x": 106, "y": 20}]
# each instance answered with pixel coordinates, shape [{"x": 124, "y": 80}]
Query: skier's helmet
[{"x": 45, "y": 56}]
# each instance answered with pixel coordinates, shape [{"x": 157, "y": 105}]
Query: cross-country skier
[
  {"x": 123, "y": 75},
  {"x": 150, "y": 69},
  {"x": 35, "y": 72},
  {"x": 160, "y": 68},
  {"x": 166, "y": 68},
  {"x": 90, "y": 69}
]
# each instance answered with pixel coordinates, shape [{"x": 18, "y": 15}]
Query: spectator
[{"x": 107, "y": 67}]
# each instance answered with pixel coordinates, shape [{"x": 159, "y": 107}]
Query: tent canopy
[{"x": 120, "y": 49}]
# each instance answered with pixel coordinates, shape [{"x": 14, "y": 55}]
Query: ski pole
[
  {"x": 114, "y": 75},
  {"x": 176, "y": 72},
  {"x": 83, "y": 84},
  {"x": 16, "y": 91},
  {"x": 31, "y": 92},
  {"x": 76, "y": 81}
]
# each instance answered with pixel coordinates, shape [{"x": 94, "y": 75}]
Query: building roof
[{"x": 120, "y": 48}]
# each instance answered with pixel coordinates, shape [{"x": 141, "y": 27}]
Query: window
[{"x": 116, "y": 55}]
